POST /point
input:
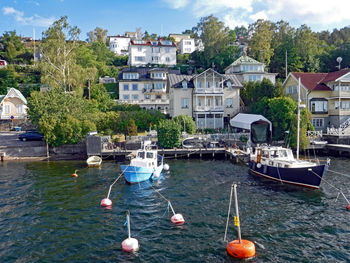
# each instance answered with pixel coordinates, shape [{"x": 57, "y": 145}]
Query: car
[{"x": 31, "y": 136}]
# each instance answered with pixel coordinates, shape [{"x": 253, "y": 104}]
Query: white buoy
[
  {"x": 166, "y": 167},
  {"x": 176, "y": 219},
  {"x": 130, "y": 244},
  {"x": 156, "y": 174},
  {"x": 106, "y": 202}
]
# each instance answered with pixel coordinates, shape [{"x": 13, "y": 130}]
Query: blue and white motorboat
[{"x": 146, "y": 165}]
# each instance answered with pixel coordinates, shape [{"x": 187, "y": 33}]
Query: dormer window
[
  {"x": 130, "y": 75},
  {"x": 184, "y": 84},
  {"x": 229, "y": 84}
]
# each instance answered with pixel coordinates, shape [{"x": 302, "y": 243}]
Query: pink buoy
[
  {"x": 348, "y": 207},
  {"x": 106, "y": 202},
  {"x": 177, "y": 219},
  {"x": 130, "y": 245}
]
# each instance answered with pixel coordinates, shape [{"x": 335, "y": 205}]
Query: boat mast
[{"x": 298, "y": 129}]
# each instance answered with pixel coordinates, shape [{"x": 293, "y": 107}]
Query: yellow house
[
  {"x": 13, "y": 105},
  {"x": 327, "y": 96}
]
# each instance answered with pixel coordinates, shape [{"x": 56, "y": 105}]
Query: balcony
[
  {"x": 208, "y": 90},
  {"x": 209, "y": 108},
  {"x": 342, "y": 93}
]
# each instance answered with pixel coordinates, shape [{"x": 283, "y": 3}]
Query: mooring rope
[
  {"x": 110, "y": 187},
  {"x": 348, "y": 176},
  {"x": 228, "y": 215},
  {"x": 340, "y": 191}
]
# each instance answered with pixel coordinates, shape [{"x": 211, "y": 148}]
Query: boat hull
[
  {"x": 135, "y": 174},
  {"x": 300, "y": 176}
]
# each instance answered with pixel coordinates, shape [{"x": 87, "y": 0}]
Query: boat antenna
[{"x": 298, "y": 129}]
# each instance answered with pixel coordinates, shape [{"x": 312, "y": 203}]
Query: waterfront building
[
  {"x": 210, "y": 98},
  {"x": 119, "y": 45},
  {"x": 248, "y": 69},
  {"x": 327, "y": 96},
  {"x": 13, "y": 105},
  {"x": 107, "y": 79},
  {"x": 146, "y": 87},
  {"x": 143, "y": 52}
]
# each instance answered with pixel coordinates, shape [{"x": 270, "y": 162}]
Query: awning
[{"x": 244, "y": 121}]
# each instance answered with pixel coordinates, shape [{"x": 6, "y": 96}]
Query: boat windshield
[
  {"x": 141, "y": 155},
  {"x": 149, "y": 155}
]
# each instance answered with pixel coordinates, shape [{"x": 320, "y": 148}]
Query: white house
[
  {"x": 3, "y": 63},
  {"x": 210, "y": 98},
  {"x": 187, "y": 46},
  {"x": 119, "y": 45},
  {"x": 13, "y": 105},
  {"x": 146, "y": 87},
  {"x": 248, "y": 69},
  {"x": 142, "y": 52}
]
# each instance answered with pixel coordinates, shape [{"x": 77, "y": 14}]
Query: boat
[
  {"x": 278, "y": 163},
  {"x": 94, "y": 161},
  {"x": 146, "y": 165}
]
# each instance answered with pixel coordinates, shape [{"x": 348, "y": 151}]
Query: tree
[
  {"x": 307, "y": 44},
  {"x": 12, "y": 46},
  {"x": 7, "y": 80},
  {"x": 169, "y": 134},
  {"x": 58, "y": 65},
  {"x": 98, "y": 34},
  {"x": 260, "y": 38},
  {"x": 132, "y": 128},
  {"x": 186, "y": 122}
]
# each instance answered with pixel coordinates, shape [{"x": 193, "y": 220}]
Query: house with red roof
[{"x": 327, "y": 96}]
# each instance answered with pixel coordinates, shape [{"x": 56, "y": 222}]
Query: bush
[{"x": 169, "y": 134}]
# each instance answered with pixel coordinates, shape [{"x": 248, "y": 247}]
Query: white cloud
[
  {"x": 34, "y": 20},
  {"x": 243, "y": 12}
]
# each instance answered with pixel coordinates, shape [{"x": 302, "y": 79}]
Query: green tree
[
  {"x": 260, "y": 40},
  {"x": 11, "y": 47},
  {"x": 7, "y": 79},
  {"x": 132, "y": 128},
  {"x": 169, "y": 134},
  {"x": 98, "y": 34},
  {"x": 305, "y": 124},
  {"x": 307, "y": 44},
  {"x": 186, "y": 122},
  {"x": 58, "y": 64}
]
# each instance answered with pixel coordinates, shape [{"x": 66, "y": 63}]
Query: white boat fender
[
  {"x": 156, "y": 174},
  {"x": 166, "y": 167},
  {"x": 258, "y": 165},
  {"x": 130, "y": 245}
]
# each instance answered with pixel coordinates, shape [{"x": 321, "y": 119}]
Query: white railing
[
  {"x": 209, "y": 108},
  {"x": 345, "y": 124},
  {"x": 314, "y": 134},
  {"x": 335, "y": 131}
]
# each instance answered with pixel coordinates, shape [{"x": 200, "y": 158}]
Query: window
[
  {"x": 126, "y": 97},
  {"x": 157, "y": 75},
  {"x": 139, "y": 49},
  {"x": 155, "y": 59},
  {"x": 155, "y": 49},
  {"x": 229, "y": 85},
  {"x": 184, "y": 84},
  {"x": 147, "y": 87},
  {"x": 199, "y": 85},
  {"x": 187, "y": 50},
  {"x": 208, "y": 102},
  {"x": 320, "y": 105},
  {"x": 167, "y": 59},
  {"x": 184, "y": 103},
  {"x": 126, "y": 86},
  {"x": 229, "y": 103},
  {"x": 137, "y": 58},
  {"x": 130, "y": 76},
  {"x": 254, "y": 77},
  {"x": 158, "y": 85},
  {"x": 147, "y": 97},
  {"x": 19, "y": 108},
  {"x": 167, "y": 50},
  {"x": 7, "y": 109},
  {"x": 199, "y": 102},
  {"x": 317, "y": 122},
  {"x": 292, "y": 90},
  {"x": 208, "y": 84},
  {"x": 217, "y": 102},
  {"x": 345, "y": 105},
  {"x": 135, "y": 97},
  {"x": 134, "y": 86}
]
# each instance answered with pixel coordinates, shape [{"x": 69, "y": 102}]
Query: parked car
[{"x": 31, "y": 136}]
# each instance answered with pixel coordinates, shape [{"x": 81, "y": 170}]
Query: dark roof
[
  {"x": 318, "y": 81},
  {"x": 175, "y": 80},
  {"x": 143, "y": 72}
]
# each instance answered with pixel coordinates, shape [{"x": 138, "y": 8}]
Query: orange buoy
[
  {"x": 245, "y": 249},
  {"x": 348, "y": 207},
  {"x": 177, "y": 219},
  {"x": 106, "y": 202},
  {"x": 130, "y": 245},
  {"x": 75, "y": 174}
]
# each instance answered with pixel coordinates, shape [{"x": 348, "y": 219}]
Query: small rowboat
[{"x": 94, "y": 161}]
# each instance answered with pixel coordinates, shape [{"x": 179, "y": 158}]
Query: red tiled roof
[
  {"x": 311, "y": 81},
  {"x": 332, "y": 76}
]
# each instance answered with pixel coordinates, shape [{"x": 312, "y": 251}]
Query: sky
[{"x": 166, "y": 16}]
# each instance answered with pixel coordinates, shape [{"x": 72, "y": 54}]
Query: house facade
[
  {"x": 210, "y": 98},
  {"x": 13, "y": 105},
  {"x": 3, "y": 63},
  {"x": 248, "y": 69},
  {"x": 327, "y": 96},
  {"x": 142, "y": 52},
  {"x": 119, "y": 45},
  {"x": 187, "y": 46},
  {"x": 146, "y": 87}
]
